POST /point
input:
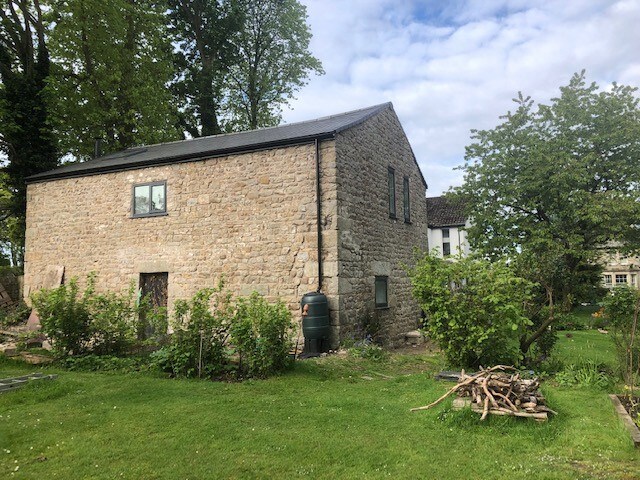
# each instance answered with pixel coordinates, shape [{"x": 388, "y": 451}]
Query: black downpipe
[{"x": 319, "y": 214}]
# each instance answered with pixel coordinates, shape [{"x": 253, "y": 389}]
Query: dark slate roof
[
  {"x": 215, "y": 145},
  {"x": 445, "y": 212}
]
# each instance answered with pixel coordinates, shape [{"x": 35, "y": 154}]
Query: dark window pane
[
  {"x": 405, "y": 191},
  {"x": 446, "y": 248},
  {"x": 445, "y": 233},
  {"x": 392, "y": 192},
  {"x": 381, "y": 292}
]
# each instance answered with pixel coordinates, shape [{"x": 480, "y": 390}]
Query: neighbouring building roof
[
  {"x": 215, "y": 145},
  {"x": 445, "y": 212}
]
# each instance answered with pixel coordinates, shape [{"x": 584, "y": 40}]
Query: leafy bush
[
  {"x": 475, "y": 309},
  {"x": 65, "y": 318},
  {"x": 102, "y": 324},
  {"x": 261, "y": 333},
  {"x": 622, "y": 310},
  {"x": 201, "y": 327},
  {"x": 588, "y": 374}
]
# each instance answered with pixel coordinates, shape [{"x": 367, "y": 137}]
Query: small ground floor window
[{"x": 381, "y": 287}]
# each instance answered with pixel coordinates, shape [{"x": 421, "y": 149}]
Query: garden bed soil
[{"x": 628, "y": 411}]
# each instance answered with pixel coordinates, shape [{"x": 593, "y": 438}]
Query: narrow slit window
[
  {"x": 405, "y": 195},
  {"x": 392, "y": 192}
]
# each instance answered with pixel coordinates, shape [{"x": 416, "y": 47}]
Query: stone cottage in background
[
  {"x": 335, "y": 204},
  {"x": 447, "y": 223}
]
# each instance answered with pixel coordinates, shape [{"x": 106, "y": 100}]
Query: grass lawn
[
  {"x": 327, "y": 418},
  {"x": 575, "y": 347}
]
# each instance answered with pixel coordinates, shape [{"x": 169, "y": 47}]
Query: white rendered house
[{"x": 447, "y": 226}]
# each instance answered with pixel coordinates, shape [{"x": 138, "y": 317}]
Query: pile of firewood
[{"x": 498, "y": 391}]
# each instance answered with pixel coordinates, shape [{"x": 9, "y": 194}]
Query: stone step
[{"x": 7, "y": 384}]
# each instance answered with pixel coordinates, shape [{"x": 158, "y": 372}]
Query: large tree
[
  {"x": 26, "y": 137},
  {"x": 114, "y": 63},
  {"x": 205, "y": 32},
  {"x": 273, "y": 62},
  {"x": 553, "y": 186},
  {"x": 240, "y": 61}
]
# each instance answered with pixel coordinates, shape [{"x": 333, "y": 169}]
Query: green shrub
[
  {"x": 587, "y": 374},
  {"x": 261, "y": 334},
  {"x": 200, "y": 327},
  {"x": 622, "y": 310},
  {"x": 102, "y": 324},
  {"x": 104, "y": 363},
  {"x": 475, "y": 309},
  {"x": 65, "y": 318},
  {"x": 368, "y": 349}
]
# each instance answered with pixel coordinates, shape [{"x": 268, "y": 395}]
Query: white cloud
[{"x": 452, "y": 66}]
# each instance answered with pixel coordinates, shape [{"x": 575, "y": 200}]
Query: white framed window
[
  {"x": 608, "y": 280},
  {"x": 621, "y": 278}
]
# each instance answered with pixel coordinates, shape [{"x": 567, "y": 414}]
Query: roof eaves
[{"x": 200, "y": 156}]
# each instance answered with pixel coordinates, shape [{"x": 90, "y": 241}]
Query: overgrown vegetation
[
  {"x": 214, "y": 335},
  {"x": 622, "y": 309},
  {"x": 476, "y": 309},
  {"x": 91, "y": 322}
]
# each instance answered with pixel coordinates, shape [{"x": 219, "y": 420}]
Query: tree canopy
[
  {"x": 552, "y": 187},
  {"x": 112, "y": 65},
  {"x": 26, "y": 137}
]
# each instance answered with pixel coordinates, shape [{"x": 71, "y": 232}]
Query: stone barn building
[{"x": 335, "y": 204}]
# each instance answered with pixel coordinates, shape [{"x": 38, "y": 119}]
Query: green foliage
[
  {"x": 261, "y": 334},
  {"x": 65, "y": 318},
  {"x": 211, "y": 327},
  {"x": 476, "y": 310},
  {"x": 26, "y": 135},
  {"x": 14, "y": 315},
  {"x": 104, "y": 363},
  {"x": 200, "y": 333},
  {"x": 367, "y": 349},
  {"x": 112, "y": 65},
  {"x": 622, "y": 309},
  {"x": 97, "y": 323},
  {"x": 240, "y": 61},
  {"x": 550, "y": 186},
  {"x": 586, "y": 375},
  {"x": 272, "y": 63}
]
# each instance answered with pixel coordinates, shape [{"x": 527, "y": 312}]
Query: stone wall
[
  {"x": 371, "y": 243},
  {"x": 248, "y": 217}
]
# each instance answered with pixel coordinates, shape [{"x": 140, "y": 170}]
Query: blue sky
[{"x": 450, "y": 66}]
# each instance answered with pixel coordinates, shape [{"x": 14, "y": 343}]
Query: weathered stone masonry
[{"x": 250, "y": 218}]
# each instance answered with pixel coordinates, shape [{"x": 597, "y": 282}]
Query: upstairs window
[
  {"x": 381, "y": 286},
  {"x": 446, "y": 242},
  {"x": 607, "y": 280},
  {"x": 621, "y": 278},
  {"x": 392, "y": 192},
  {"x": 149, "y": 199},
  {"x": 405, "y": 196}
]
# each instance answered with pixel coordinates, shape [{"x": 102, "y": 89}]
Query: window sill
[
  {"x": 393, "y": 217},
  {"x": 408, "y": 222},
  {"x": 147, "y": 215},
  {"x": 387, "y": 307}
]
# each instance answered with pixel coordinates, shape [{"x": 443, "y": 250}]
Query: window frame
[
  {"x": 391, "y": 191},
  {"x": 621, "y": 276},
  {"x": 150, "y": 185},
  {"x": 406, "y": 199},
  {"x": 385, "y": 280},
  {"x": 608, "y": 279}
]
